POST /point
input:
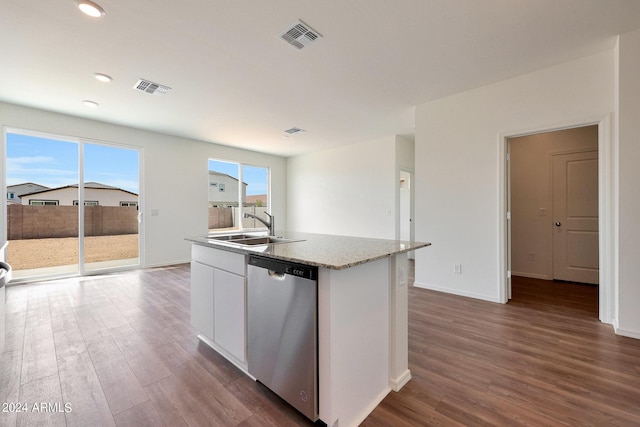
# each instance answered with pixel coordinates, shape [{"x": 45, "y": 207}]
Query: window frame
[
  {"x": 43, "y": 202},
  {"x": 241, "y": 200}
]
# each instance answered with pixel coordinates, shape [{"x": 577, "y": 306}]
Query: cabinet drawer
[{"x": 218, "y": 258}]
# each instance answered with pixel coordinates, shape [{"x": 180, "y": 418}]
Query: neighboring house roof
[
  {"x": 94, "y": 185},
  {"x": 25, "y": 188},
  {"x": 224, "y": 174}
]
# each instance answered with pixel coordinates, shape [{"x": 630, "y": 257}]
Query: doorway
[
  {"x": 553, "y": 201},
  {"x": 406, "y": 209},
  {"x": 72, "y": 205}
]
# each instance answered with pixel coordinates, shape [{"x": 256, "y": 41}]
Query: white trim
[
  {"x": 608, "y": 212},
  {"x": 456, "y": 292},
  {"x": 170, "y": 264},
  {"x": 606, "y": 208},
  {"x": 627, "y": 333},
  {"x": 81, "y": 264},
  {"x": 399, "y": 382},
  {"x": 3, "y": 186}
]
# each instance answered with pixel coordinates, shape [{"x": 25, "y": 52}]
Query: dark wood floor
[
  {"x": 120, "y": 351},
  {"x": 542, "y": 359}
]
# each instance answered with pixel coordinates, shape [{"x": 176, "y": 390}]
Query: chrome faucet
[{"x": 268, "y": 224}]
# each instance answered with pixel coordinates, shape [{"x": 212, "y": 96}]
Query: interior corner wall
[
  {"x": 629, "y": 184},
  {"x": 174, "y": 181},
  {"x": 405, "y": 161},
  {"x": 349, "y": 190},
  {"x": 531, "y": 191},
  {"x": 459, "y": 164}
]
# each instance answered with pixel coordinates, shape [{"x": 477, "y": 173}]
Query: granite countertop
[{"x": 320, "y": 250}]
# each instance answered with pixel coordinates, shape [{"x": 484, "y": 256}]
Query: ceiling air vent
[
  {"x": 151, "y": 87},
  {"x": 300, "y": 35},
  {"x": 293, "y": 131}
]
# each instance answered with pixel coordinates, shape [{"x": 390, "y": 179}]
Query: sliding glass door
[
  {"x": 42, "y": 222},
  {"x": 71, "y": 205},
  {"x": 111, "y": 207}
]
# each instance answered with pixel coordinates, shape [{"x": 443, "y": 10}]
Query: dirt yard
[{"x": 39, "y": 253}]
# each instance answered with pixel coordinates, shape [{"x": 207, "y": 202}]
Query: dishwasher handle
[{"x": 277, "y": 276}]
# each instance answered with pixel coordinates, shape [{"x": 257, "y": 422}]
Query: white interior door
[{"x": 575, "y": 215}]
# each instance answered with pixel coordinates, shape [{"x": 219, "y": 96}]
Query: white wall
[
  {"x": 349, "y": 190},
  {"x": 629, "y": 184},
  {"x": 172, "y": 166},
  {"x": 459, "y": 142},
  {"x": 531, "y": 190}
]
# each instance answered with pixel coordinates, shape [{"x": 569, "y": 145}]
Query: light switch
[{"x": 542, "y": 212}]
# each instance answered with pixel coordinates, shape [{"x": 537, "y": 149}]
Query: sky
[
  {"x": 256, "y": 178},
  {"x": 54, "y": 163}
]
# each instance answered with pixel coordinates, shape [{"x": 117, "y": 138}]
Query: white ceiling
[{"x": 235, "y": 83}]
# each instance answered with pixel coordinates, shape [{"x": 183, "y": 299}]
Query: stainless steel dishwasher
[{"x": 282, "y": 329}]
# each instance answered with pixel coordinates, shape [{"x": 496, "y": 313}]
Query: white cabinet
[
  {"x": 229, "y": 312},
  {"x": 202, "y": 298},
  {"x": 218, "y": 295}
]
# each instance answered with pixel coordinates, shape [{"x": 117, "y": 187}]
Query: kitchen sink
[
  {"x": 250, "y": 239},
  {"x": 261, "y": 240},
  {"x": 232, "y": 237}
]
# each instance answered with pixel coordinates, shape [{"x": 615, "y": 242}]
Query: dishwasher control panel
[{"x": 285, "y": 267}]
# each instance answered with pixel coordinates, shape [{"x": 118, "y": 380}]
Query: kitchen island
[{"x": 361, "y": 307}]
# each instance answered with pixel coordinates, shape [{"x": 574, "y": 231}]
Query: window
[
  {"x": 135, "y": 204},
  {"x": 45, "y": 165},
  {"x": 44, "y": 202},
  {"x": 11, "y": 195},
  {"x": 241, "y": 189},
  {"x": 256, "y": 201}
]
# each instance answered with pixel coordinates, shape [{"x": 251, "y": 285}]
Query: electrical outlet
[
  {"x": 457, "y": 268},
  {"x": 531, "y": 256}
]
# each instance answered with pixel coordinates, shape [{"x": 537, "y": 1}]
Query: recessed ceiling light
[
  {"x": 90, "y": 8},
  {"x": 102, "y": 77},
  {"x": 90, "y": 104}
]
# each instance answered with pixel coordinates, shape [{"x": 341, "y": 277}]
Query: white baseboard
[
  {"x": 626, "y": 332},
  {"x": 532, "y": 275},
  {"x": 397, "y": 383},
  {"x": 457, "y": 292},
  {"x": 166, "y": 264}
]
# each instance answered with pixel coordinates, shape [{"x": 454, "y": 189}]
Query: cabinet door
[
  {"x": 229, "y": 313},
  {"x": 202, "y": 298}
]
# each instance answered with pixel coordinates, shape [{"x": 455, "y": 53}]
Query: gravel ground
[{"x": 39, "y": 253}]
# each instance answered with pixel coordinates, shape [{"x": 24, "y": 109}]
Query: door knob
[{"x": 558, "y": 224}]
